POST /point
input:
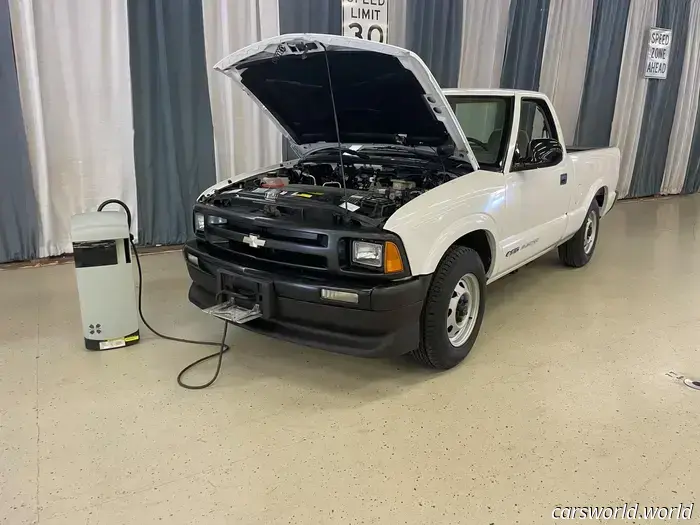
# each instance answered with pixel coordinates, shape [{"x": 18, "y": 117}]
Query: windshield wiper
[
  {"x": 335, "y": 149},
  {"x": 406, "y": 150}
]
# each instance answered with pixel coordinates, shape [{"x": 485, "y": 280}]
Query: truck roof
[{"x": 490, "y": 92}]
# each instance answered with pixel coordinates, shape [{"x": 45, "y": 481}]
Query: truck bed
[{"x": 594, "y": 168}]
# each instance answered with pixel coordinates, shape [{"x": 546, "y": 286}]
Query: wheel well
[
  {"x": 480, "y": 242},
  {"x": 600, "y": 197}
]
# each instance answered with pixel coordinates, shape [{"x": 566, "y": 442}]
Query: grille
[
  {"x": 292, "y": 248},
  {"x": 285, "y": 257},
  {"x": 278, "y": 234},
  {"x": 286, "y": 247}
]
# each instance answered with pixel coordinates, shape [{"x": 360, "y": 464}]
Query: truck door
[{"x": 537, "y": 191}]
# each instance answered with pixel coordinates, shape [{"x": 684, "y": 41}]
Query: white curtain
[
  {"x": 484, "y": 30},
  {"x": 244, "y": 138},
  {"x": 632, "y": 90},
  {"x": 686, "y": 109},
  {"x": 565, "y": 58},
  {"x": 397, "y": 23},
  {"x": 75, "y": 85}
]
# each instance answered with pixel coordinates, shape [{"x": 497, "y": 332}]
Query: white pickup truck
[{"x": 405, "y": 202}]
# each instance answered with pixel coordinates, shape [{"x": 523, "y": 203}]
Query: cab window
[
  {"x": 483, "y": 120},
  {"x": 536, "y": 120}
]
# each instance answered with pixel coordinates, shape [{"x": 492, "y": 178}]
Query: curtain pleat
[
  {"x": 244, "y": 138},
  {"x": 660, "y": 104},
  {"x": 527, "y": 29},
  {"x": 308, "y": 16},
  {"x": 564, "y": 59},
  {"x": 397, "y": 23},
  {"x": 692, "y": 174},
  {"x": 434, "y": 32},
  {"x": 484, "y": 28},
  {"x": 173, "y": 137},
  {"x": 679, "y": 145},
  {"x": 603, "y": 64},
  {"x": 73, "y": 68},
  {"x": 19, "y": 228},
  {"x": 632, "y": 90}
]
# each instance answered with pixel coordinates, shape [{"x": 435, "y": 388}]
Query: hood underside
[
  {"x": 375, "y": 110},
  {"x": 382, "y": 94}
]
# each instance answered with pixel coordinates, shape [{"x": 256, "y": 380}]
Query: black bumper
[{"x": 384, "y": 322}]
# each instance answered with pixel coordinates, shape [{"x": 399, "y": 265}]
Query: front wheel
[
  {"x": 578, "y": 251},
  {"x": 454, "y": 309}
]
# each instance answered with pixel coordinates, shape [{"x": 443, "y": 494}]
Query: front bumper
[{"x": 384, "y": 322}]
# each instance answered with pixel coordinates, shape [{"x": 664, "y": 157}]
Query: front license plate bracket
[
  {"x": 246, "y": 292},
  {"x": 232, "y": 313}
]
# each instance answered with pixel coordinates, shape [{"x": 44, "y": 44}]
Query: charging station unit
[{"x": 103, "y": 269}]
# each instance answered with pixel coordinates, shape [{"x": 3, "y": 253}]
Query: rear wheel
[
  {"x": 454, "y": 309},
  {"x": 577, "y": 251}
]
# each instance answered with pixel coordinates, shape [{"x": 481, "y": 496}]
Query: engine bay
[{"x": 373, "y": 191}]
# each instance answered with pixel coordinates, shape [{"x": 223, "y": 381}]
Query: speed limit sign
[{"x": 366, "y": 19}]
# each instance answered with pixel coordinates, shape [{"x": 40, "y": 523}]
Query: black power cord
[{"x": 223, "y": 347}]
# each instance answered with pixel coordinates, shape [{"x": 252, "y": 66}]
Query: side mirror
[
  {"x": 521, "y": 161},
  {"x": 517, "y": 155},
  {"x": 546, "y": 152}
]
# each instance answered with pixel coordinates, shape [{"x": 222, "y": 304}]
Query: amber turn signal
[{"x": 392, "y": 258}]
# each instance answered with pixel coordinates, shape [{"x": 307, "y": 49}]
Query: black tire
[
  {"x": 436, "y": 350},
  {"x": 573, "y": 252}
]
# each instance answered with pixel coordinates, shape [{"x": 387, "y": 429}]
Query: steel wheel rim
[
  {"x": 463, "y": 309},
  {"x": 590, "y": 231}
]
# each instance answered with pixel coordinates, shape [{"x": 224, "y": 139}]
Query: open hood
[{"x": 383, "y": 94}]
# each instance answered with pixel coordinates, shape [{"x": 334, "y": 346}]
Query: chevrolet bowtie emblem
[
  {"x": 271, "y": 195},
  {"x": 254, "y": 241}
]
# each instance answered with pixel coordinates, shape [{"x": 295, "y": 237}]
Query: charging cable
[{"x": 223, "y": 347}]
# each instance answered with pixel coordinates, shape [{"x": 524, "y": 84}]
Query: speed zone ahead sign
[{"x": 366, "y": 19}]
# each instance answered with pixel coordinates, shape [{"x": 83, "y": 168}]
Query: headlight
[
  {"x": 198, "y": 222},
  {"x": 385, "y": 256},
  {"x": 368, "y": 253},
  {"x": 212, "y": 219}
]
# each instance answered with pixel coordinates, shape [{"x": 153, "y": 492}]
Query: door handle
[{"x": 562, "y": 179}]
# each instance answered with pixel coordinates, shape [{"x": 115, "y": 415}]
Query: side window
[
  {"x": 483, "y": 120},
  {"x": 536, "y": 122},
  {"x": 537, "y": 141}
]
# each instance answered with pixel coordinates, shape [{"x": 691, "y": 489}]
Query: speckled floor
[{"x": 565, "y": 400}]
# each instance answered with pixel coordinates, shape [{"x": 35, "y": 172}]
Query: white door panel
[
  {"x": 537, "y": 199},
  {"x": 537, "y": 203}
]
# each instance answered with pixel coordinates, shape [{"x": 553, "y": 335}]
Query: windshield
[{"x": 483, "y": 120}]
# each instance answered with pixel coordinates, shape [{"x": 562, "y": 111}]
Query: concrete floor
[{"x": 565, "y": 400}]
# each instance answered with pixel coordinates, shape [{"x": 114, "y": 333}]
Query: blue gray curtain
[
  {"x": 527, "y": 28},
  {"x": 692, "y": 175},
  {"x": 308, "y": 16},
  {"x": 602, "y": 73},
  {"x": 660, "y": 105},
  {"x": 434, "y": 32},
  {"x": 173, "y": 137},
  {"x": 18, "y": 209}
]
